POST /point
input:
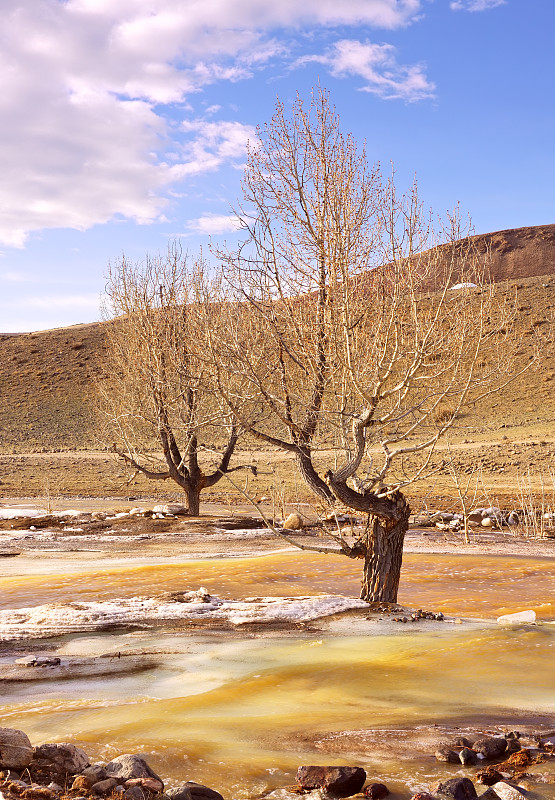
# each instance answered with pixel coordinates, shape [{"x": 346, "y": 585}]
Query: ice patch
[
  {"x": 15, "y": 513},
  {"x": 462, "y": 286},
  {"x": 55, "y": 619}
]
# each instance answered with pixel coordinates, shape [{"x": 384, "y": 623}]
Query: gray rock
[
  {"x": 105, "y": 786},
  {"x": 458, "y": 788},
  {"x": 66, "y": 757},
  {"x": 444, "y": 753},
  {"x": 130, "y": 766},
  {"x": 508, "y": 791},
  {"x": 16, "y": 750},
  {"x": 462, "y": 741},
  {"x": 491, "y": 746},
  {"x": 489, "y": 794},
  {"x": 468, "y": 757},
  {"x": 94, "y": 773},
  {"x": 135, "y": 793},
  {"x": 193, "y": 791},
  {"x": 341, "y": 781}
]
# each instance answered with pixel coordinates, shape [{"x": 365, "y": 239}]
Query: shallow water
[
  {"x": 241, "y": 712},
  {"x": 467, "y": 585}
]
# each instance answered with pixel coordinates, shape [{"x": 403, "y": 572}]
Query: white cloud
[
  {"x": 86, "y": 86},
  {"x": 476, "y": 5},
  {"x": 212, "y": 144},
  {"x": 214, "y": 224},
  {"x": 376, "y": 64}
]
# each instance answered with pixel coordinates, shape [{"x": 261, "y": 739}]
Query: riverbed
[{"x": 240, "y": 709}]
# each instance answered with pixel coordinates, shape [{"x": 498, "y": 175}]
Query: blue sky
[{"x": 124, "y": 122}]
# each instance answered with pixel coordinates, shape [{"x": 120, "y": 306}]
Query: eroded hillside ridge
[{"x": 519, "y": 252}]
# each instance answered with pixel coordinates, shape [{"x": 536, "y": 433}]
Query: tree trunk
[
  {"x": 383, "y": 556},
  {"x": 193, "y": 490}
]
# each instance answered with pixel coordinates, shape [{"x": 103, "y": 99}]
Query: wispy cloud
[
  {"x": 376, "y": 64},
  {"x": 475, "y": 5},
  {"x": 214, "y": 224}
]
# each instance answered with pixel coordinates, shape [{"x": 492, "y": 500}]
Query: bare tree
[
  {"x": 352, "y": 349},
  {"x": 157, "y": 392}
]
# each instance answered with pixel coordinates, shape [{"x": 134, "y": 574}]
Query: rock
[
  {"x": 376, "y": 791},
  {"x": 105, "y": 786},
  {"x": 130, "y": 766},
  {"x": 423, "y": 796},
  {"x": 489, "y": 794},
  {"x": 173, "y": 509},
  {"x": 444, "y": 753},
  {"x": 82, "y": 784},
  {"x": 16, "y": 750},
  {"x": 94, "y": 773},
  {"x": 491, "y": 746},
  {"x": 38, "y": 793},
  {"x": 462, "y": 741},
  {"x": 193, "y": 791},
  {"x": 508, "y": 791},
  {"x": 513, "y": 746},
  {"x": 294, "y": 522},
  {"x": 519, "y": 616},
  {"x": 55, "y": 787},
  {"x": 487, "y": 522},
  {"x": 458, "y": 788},
  {"x": 135, "y": 793},
  {"x": 489, "y": 776},
  {"x": 64, "y": 756},
  {"x": 468, "y": 757},
  {"x": 152, "y": 784},
  {"x": 341, "y": 781}
]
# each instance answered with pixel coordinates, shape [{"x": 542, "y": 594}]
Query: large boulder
[
  {"x": 508, "y": 791},
  {"x": 63, "y": 756},
  {"x": 130, "y": 766},
  {"x": 16, "y": 750},
  {"x": 341, "y": 781},
  {"x": 458, "y": 788}
]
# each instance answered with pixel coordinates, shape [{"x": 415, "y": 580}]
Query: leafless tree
[
  {"x": 352, "y": 349},
  {"x": 157, "y": 392}
]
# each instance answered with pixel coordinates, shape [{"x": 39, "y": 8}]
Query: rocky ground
[{"x": 497, "y": 766}]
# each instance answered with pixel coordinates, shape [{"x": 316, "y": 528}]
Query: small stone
[
  {"x": 94, "y": 773},
  {"x": 508, "y": 791},
  {"x": 462, "y": 741},
  {"x": 491, "y": 746},
  {"x": 105, "y": 786},
  {"x": 445, "y": 753},
  {"x": 528, "y": 616},
  {"x": 82, "y": 784},
  {"x": 294, "y": 522},
  {"x": 376, "y": 791},
  {"x": 135, "y": 793},
  {"x": 423, "y": 796},
  {"x": 130, "y": 766},
  {"x": 458, "y": 788},
  {"x": 341, "y": 781},
  {"x": 65, "y": 756},
  {"x": 488, "y": 776},
  {"x": 468, "y": 757},
  {"x": 148, "y": 783}
]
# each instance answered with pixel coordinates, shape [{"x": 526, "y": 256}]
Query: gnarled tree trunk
[{"x": 383, "y": 556}]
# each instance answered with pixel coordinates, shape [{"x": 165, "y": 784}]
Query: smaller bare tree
[{"x": 157, "y": 391}]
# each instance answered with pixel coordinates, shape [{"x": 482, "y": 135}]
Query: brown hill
[
  {"x": 48, "y": 382},
  {"x": 519, "y": 252}
]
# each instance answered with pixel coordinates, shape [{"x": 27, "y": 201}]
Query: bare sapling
[{"x": 160, "y": 412}]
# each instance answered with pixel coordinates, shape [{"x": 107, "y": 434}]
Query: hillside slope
[{"x": 48, "y": 380}]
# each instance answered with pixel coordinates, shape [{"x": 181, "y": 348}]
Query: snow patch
[{"x": 54, "y": 619}]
